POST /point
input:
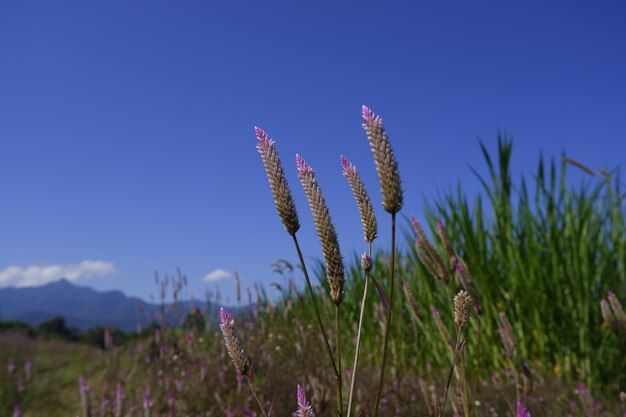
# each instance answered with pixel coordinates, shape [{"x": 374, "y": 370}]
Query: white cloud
[
  {"x": 217, "y": 275},
  {"x": 31, "y": 276}
]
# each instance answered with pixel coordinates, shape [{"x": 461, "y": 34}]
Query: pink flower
[
  {"x": 522, "y": 411},
  {"x": 147, "y": 404},
  {"x": 11, "y": 366},
  {"x": 303, "y": 167},
  {"x": 84, "y": 388},
  {"x": 304, "y": 408}
]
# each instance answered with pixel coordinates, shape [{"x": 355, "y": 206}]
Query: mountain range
[{"x": 83, "y": 307}]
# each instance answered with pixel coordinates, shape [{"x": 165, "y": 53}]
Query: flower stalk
[{"x": 391, "y": 190}]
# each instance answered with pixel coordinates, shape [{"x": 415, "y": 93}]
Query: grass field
[{"x": 538, "y": 257}]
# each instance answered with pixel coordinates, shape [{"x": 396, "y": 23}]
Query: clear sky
[{"x": 126, "y": 127}]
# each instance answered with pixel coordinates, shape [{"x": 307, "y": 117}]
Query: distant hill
[{"x": 82, "y": 307}]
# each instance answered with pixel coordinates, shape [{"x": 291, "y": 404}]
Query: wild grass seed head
[
  {"x": 462, "y": 272},
  {"x": 507, "y": 335},
  {"x": 428, "y": 254},
  {"x": 368, "y": 217},
  {"x": 85, "y": 397},
  {"x": 462, "y": 306},
  {"x": 410, "y": 298},
  {"x": 443, "y": 331},
  {"x": 618, "y": 311},
  {"x": 278, "y": 182},
  {"x": 385, "y": 161},
  {"x": 443, "y": 234},
  {"x": 304, "y": 408},
  {"x": 325, "y": 230},
  {"x": 233, "y": 343},
  {"x": 607, "y": 315},
  {"x": 367, "y": 263}
]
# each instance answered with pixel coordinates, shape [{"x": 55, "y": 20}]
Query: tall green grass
[{"x": 544, "y": 254}]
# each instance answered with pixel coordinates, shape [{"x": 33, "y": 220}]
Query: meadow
[{"x": 506, "y": 304}]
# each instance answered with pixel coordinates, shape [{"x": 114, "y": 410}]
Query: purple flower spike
[
  {"x": 368, "y": 116},
  {"x": 84, "y": 388},
  {"x": 304, "y": 408},
  {"x": 522, "y": 411},
  {"x": 264, "y": 140},
  {"x": 303, "y": 167},
  {"x": 346, "y": 165},
  {"x": 225, "y": 318},
  {"x": 119, "y": 400},
  {"x": 147, "y": 404},
  {"x": 11, "y": 366},
  {"x": 17, "y": 411}
]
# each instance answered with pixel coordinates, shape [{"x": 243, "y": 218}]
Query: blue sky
[{"x": 126, "y": 128}]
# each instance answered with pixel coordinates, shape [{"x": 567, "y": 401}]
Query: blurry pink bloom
[
  {"x": 11, "y": 366},
  {"x": 119, "y": 400},
  {"x": 522, "y": 411},
  {"x": 84, "y": 388},
  {"x": 147, "y": 403}
]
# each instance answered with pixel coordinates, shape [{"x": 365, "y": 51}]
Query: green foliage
[
  {"x": 545, "y": 255},
  {"x": 546, "y": 260}
]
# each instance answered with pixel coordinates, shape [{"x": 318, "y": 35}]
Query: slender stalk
[
  {"x": 465, "y": 388},
  {"x": 457, "y": 347},
  {"x": 317, "y": 312},
  {"x": 339, "y": 377},
  {"x": 389, "y": 310},
  {"x": 358, "y": 337},
  {"x": 256, "y": 397},
  {"x": 445, "y": 392}
]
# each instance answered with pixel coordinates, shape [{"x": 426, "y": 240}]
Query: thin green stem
[
  {"x": 388, "y": 323},
  {"x": 256, "y": 397},
  {"x": 457, "y": 346},
  {"x": 317, "y": 312},
  {"x": 339, "y": 383},
  {"x": 465, "y": 388},
  {"x": 358, "y": 337}
]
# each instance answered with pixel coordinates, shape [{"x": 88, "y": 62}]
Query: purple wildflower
[
  {"x": 233, "y": 344},
  {"x": 11, "y": 366},
  {"x": 522, "y": 411},
  {"x": 147, "y": 403},
  {"x": 304, "y": 408},
  {"x": 119, "y": 401}
]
